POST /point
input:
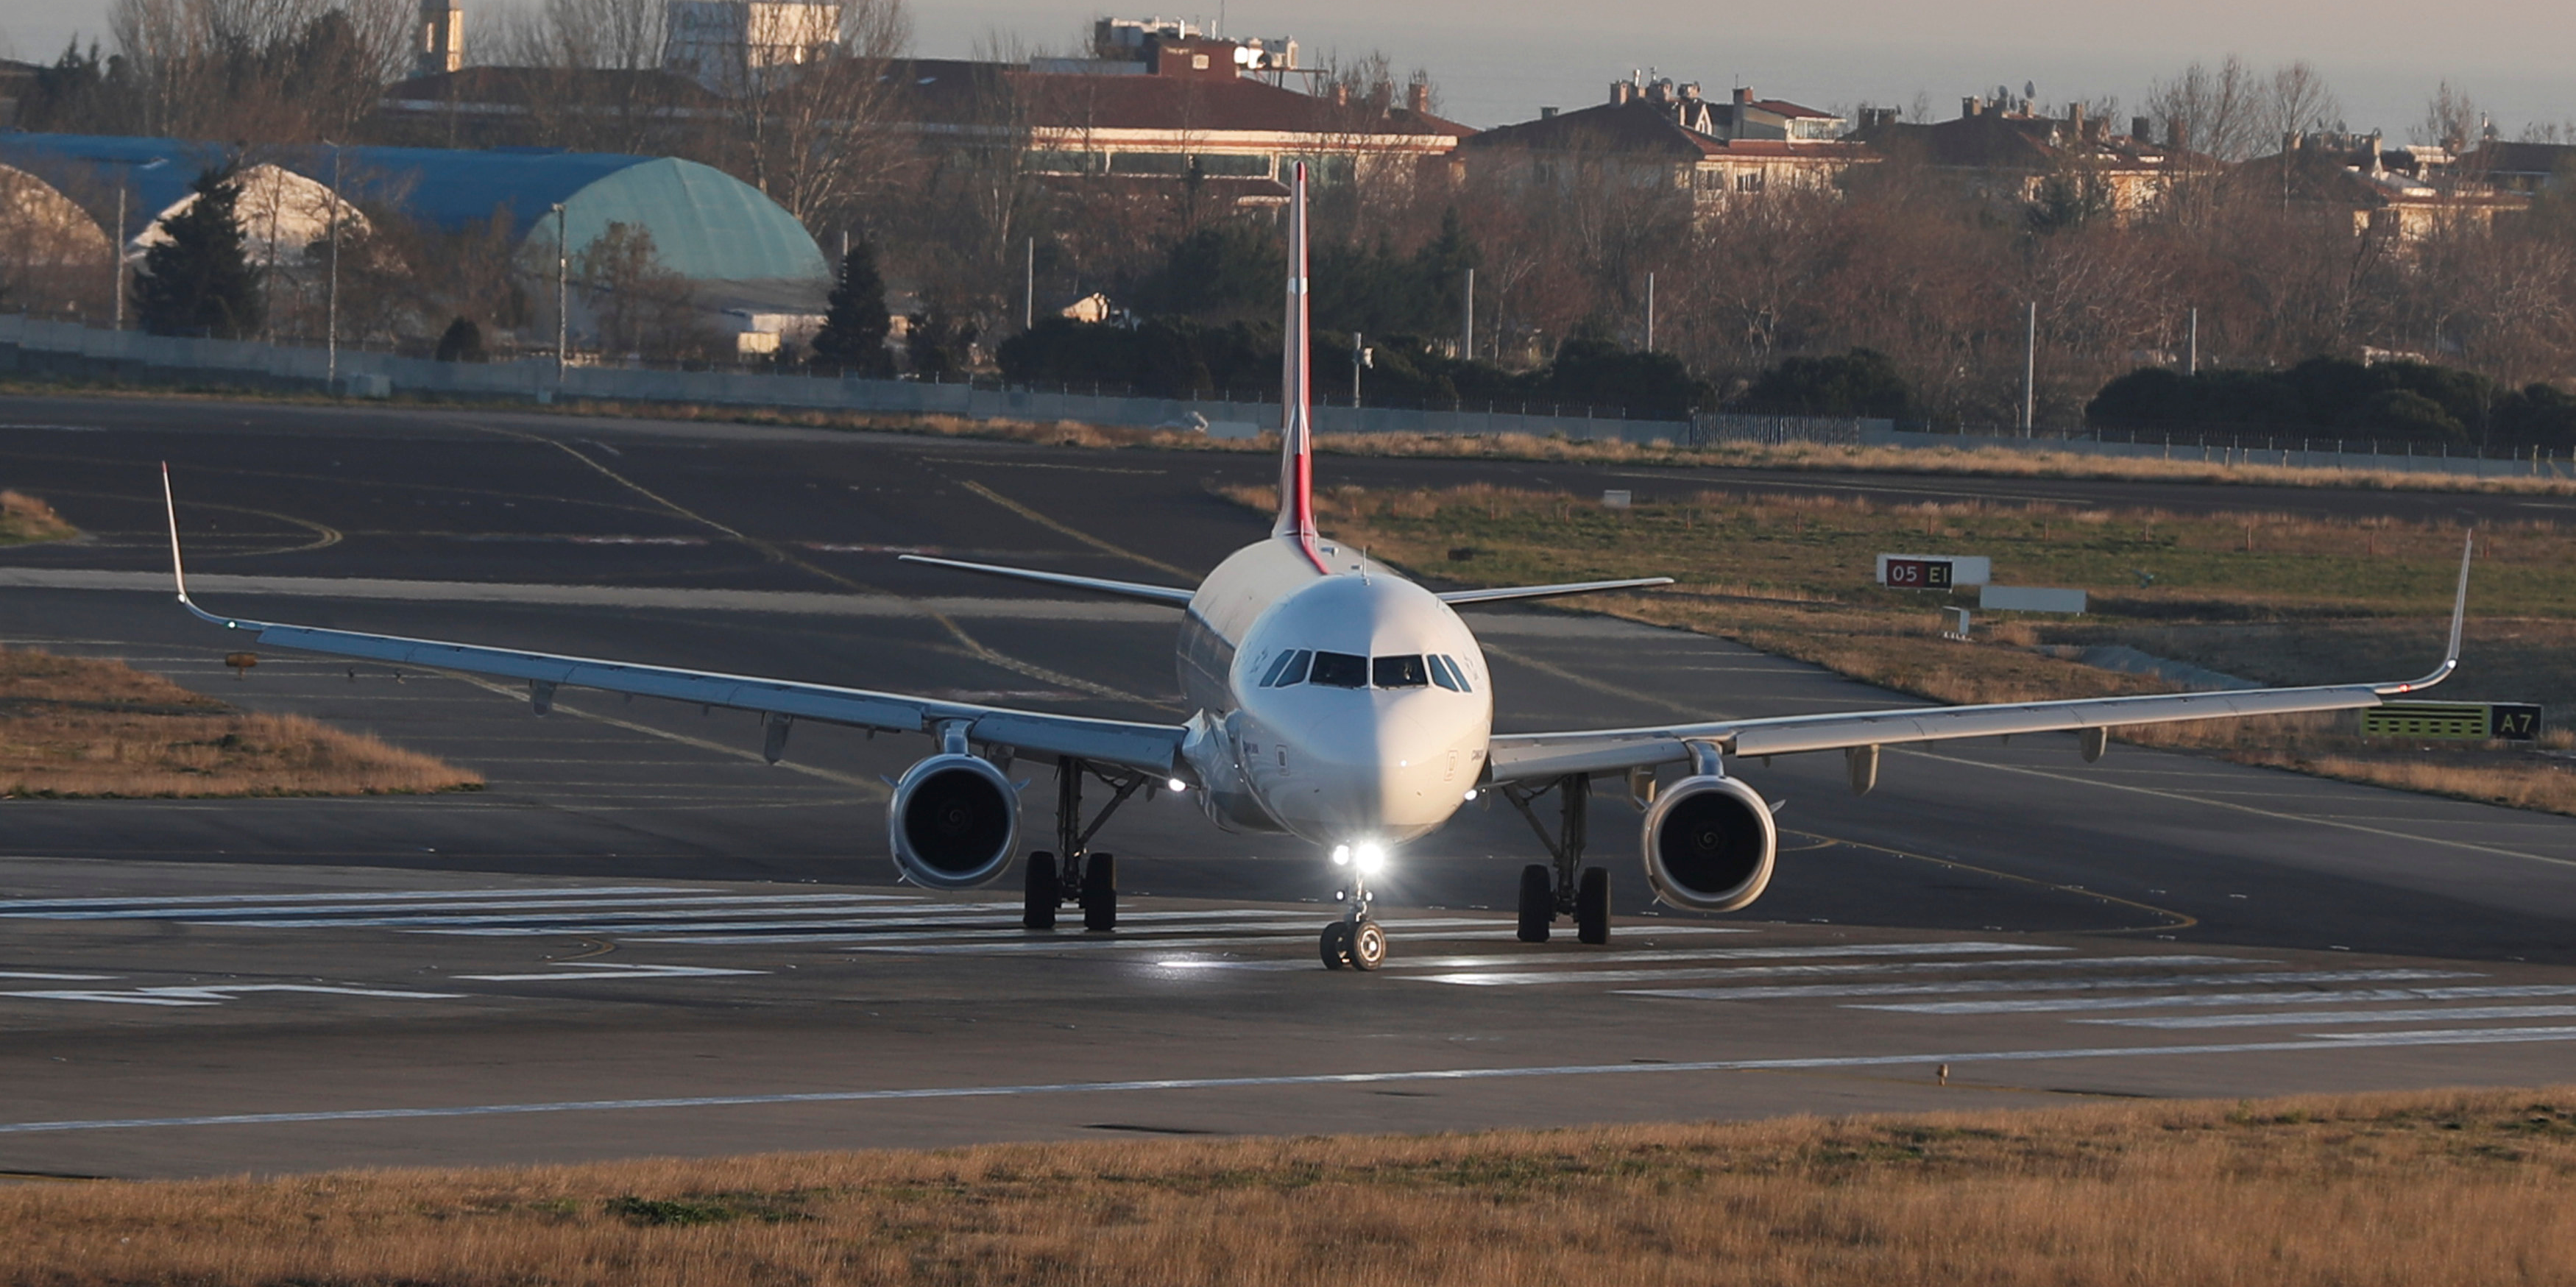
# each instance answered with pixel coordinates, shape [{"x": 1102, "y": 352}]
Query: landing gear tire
[
  {"x": 1592, "y": 906},
  {"x": 1368, "y": 946},
  {"x": 1538, "y": 902},
  {"x": 1336, "y": 946},
  {"x": 1044, "y": 892},
  {"x": 1099, "y": 893}
]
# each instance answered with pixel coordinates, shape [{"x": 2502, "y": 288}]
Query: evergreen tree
[
  {"x": 854, "y": 330},
  {"x": 199, "y": 281}
]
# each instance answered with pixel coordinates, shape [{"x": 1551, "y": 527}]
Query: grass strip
[
  {"x": 71, "y": 727},
  {"x": 2409, "y": 1188}
]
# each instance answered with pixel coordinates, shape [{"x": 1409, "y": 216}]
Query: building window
[
  {"x": 1749, "y": 181},
  {"x": 1044, "y": 162},
  {"x": 1234, "y": 167},
  {"x": 1171, "y": 164}
]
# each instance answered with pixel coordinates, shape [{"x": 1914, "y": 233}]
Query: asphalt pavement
[{"x": 643, "y": 939}]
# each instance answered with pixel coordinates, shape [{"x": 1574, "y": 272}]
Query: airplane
[{"x": 1338, "y": 702}]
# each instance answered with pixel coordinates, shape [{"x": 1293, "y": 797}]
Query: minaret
[{"x": 442, "y": 37}]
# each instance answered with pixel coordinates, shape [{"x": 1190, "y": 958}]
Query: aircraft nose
[{"x": 1394, "y": 778}]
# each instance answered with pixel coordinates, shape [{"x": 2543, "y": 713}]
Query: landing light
[
  {"x": 1471, "y": 793},
  {"x": 1175, "y": 784},
  {"x": 1372, "y": 859},
  {"x": 1341, "y": 855}
]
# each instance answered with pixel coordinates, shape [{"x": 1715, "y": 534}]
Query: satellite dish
[{"x": 2030, "y": 89}]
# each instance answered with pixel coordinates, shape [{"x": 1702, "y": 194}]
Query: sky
[{"x": 1496, "y": 64}]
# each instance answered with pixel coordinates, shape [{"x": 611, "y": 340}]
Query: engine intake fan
[
  {"x": 953, "y": 823},
  {"x": 1710, "y": 844}
]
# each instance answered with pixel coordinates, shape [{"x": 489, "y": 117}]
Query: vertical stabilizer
[{"x": 1296, "y": 428}]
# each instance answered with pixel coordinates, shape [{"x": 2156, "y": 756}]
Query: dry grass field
[
  {"x": 2392, "y": 1190},
  {"x": 2273, "y": 598},
  {"x": 1798, "y": 457},
  {"x": 71, "y": 727},
  {"x": 24, "y": 518}
]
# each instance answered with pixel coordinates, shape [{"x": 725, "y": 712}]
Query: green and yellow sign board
[{"x": 2456, "y": 721}]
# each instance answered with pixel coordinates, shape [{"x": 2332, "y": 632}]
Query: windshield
[
  {"x": 1399, "y": 672},
  {"x": 1340, "y": 670}
]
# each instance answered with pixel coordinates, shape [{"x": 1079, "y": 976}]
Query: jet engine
[
  {"x": 1709, "y": 844},
  {"x": 953, "y": 822}
]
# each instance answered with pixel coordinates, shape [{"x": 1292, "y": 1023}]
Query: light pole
[
  {"x": 116, "y": 260},
  {"x": 331, "y": 296},
  {"x": 1359, "y": 358},
  {"x": 2030, "y": 370},
  {"x": 1467, "y": 322},
  {"x": 1650, "y": 312},
  {"x": 563, "y": 291}
]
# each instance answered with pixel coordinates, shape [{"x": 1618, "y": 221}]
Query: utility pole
[
  {"x": 331, "y": 297},
  {"x": 2191, "y": 351},
  {"x": 2030, "y": 370},
  {"x": 1650, "y": 312},
  {"x": 563, "y": 296},
  {"x": 1029, "y": 289},
  {"x": 116, "y": 260},
  {"x": 1467, "y": 323},
  {"x": 1359, "y": 358}
]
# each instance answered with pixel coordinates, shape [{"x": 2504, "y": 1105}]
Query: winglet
[
  {"x": 2459, "y": 618},
  {"x": 178, "y": 572}
]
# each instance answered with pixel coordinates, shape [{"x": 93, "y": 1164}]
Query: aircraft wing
[
  {"x": 1165, "y": 594},
  {"x": 1506, "y": 593},
  {"x": 1151, "y": 747},
  {"x": 1529, "y": 756}
]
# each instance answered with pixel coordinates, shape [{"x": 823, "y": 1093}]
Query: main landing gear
[
  {"x": 1354, "y": 942},
  {"x": 1567, "y": 887},
  {"x": 1079, "y": 877}
]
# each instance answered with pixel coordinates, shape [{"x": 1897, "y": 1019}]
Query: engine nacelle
[
  {"x": 953, "y": 823},
  {"x": 1710, "y": 844}
]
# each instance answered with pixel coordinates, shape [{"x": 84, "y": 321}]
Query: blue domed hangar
[{"x": 719, "y": 246}]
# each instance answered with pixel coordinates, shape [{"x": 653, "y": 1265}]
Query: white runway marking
[
  {"x": 13, "y": 906},
  {"x": 2335, "y": 1042},
  {"x": 2300, "y": 997},
  {"x": 1501, "y": 979},
  {"x": 333, "y": 914},
  {"x": 2036, "y": 985},
  {"x": 184, "y": 996},
  {"x": 59, "y": 978},
  {"x": 571, "y": 971},
  {"x": 2277, "y": 1019}
]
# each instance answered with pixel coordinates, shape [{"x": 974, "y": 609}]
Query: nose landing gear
[
  {"x": 1354, "y": 942},
  {"x": 1566, "y": 887}
]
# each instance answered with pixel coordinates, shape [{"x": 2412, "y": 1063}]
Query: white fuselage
[{"x": 1311, "y": 752}]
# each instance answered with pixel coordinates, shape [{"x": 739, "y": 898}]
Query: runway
[{"x": 643, "y": 940}]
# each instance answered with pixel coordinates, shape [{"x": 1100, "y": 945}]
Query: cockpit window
[
  {"x": 1289, "y": 669},
  {"x": 1400, "y": 672},
  {"x": 1340, "y": 670},
  {"x": 1445, "y": 673}
]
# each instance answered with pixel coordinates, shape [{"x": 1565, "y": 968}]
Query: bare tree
[
  {"x": 260, "y": 71},
  {"x": 2451, "y": 119},
  {"x": 2214, "y": 111},
  {"x": 817, "y": 135},
  {"x": 2297, "y": 100}
]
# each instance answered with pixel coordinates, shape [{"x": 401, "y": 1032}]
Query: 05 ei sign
[{"x": 1919, "y": 574}]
